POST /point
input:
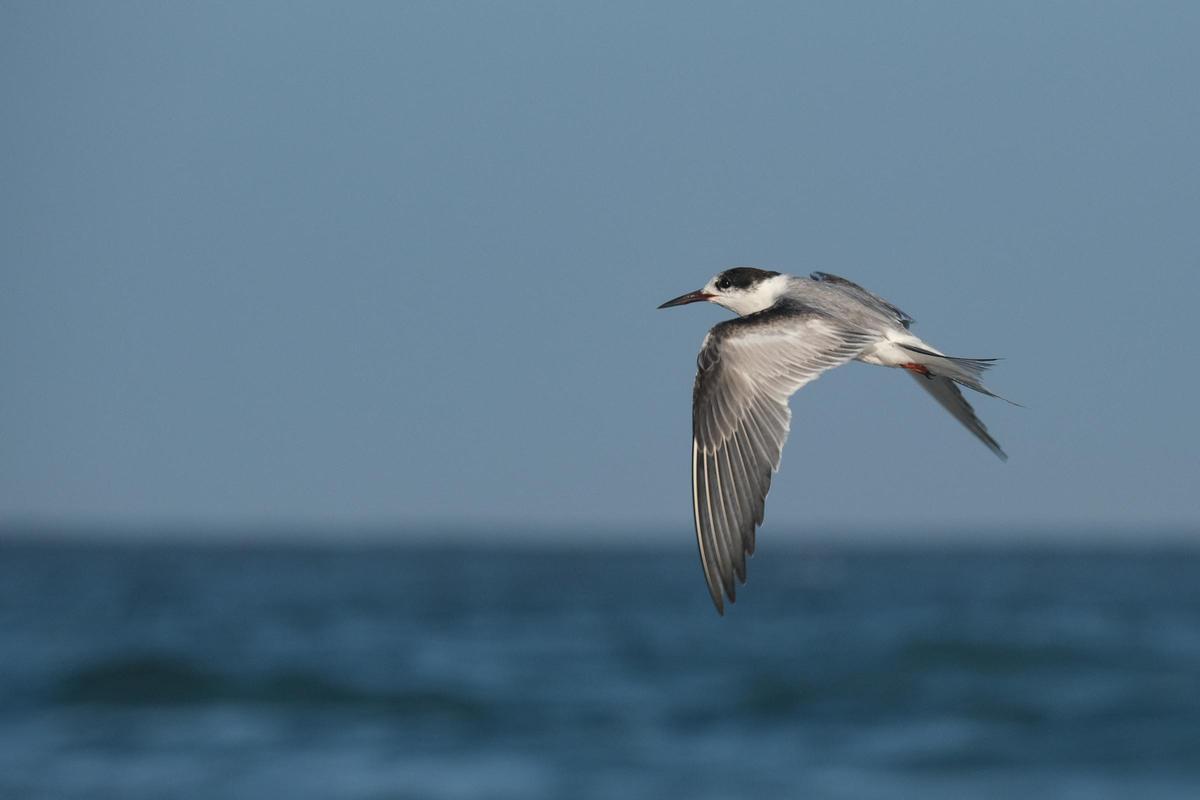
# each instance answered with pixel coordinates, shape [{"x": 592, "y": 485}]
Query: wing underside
[{"x": 747, "y": 369}]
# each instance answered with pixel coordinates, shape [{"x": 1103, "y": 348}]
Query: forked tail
[
  {"x": 939, "y": 375},
  {"x": 967, "y": 371}
]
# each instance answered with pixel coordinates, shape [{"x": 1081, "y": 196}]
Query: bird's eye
[{"x": 724, "y": 283}]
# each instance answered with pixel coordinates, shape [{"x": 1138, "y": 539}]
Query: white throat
[{"x": 756, "y": 299}]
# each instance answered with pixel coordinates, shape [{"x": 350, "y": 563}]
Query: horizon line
[{"x": 504, "y": 534}]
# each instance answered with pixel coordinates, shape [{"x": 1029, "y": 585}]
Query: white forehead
[{"x": 749, "y": 300}]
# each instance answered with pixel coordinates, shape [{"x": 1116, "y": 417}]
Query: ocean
[{"x": 238, "y": 671}]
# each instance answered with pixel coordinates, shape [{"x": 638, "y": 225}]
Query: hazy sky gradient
[{"x": 380, "y": 263}]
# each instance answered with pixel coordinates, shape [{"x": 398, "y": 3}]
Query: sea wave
[{"x": 156, "y": 679}]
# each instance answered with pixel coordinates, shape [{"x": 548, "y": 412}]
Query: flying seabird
[{"x": 788, "y": 331}]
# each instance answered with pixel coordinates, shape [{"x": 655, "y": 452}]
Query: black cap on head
[{"x": 745, "y": 277}]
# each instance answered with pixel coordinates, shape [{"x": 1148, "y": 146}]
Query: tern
[{"x": 788, "y": 331}]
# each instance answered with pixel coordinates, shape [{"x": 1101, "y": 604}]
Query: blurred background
[{"x": 343, "y": 452}]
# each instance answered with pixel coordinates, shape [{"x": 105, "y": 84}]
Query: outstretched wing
[{"x": 746, "y": 371}]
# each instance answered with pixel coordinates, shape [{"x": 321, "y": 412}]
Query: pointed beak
[{"x": 684, "y": 299}]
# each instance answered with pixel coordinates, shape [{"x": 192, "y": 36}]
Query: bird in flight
[{"x": 788, "y": 331}]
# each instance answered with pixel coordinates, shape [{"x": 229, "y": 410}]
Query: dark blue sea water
[{"x": 138, "y": 671}]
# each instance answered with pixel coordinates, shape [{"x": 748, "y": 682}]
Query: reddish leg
[{"x": 920, "y": 369}]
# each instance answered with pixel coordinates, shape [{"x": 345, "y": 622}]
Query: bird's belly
[{"x": 886, "y": 354}]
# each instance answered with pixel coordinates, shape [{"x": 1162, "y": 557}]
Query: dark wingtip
[
  {"x": 718, "y": 599},
  {"x": 719, "y": 603}
]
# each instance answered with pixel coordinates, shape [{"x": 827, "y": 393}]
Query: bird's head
[{"x": 743, "y": 290}]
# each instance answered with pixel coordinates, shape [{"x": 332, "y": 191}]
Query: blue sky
[{"x": 398, "y": 263}]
